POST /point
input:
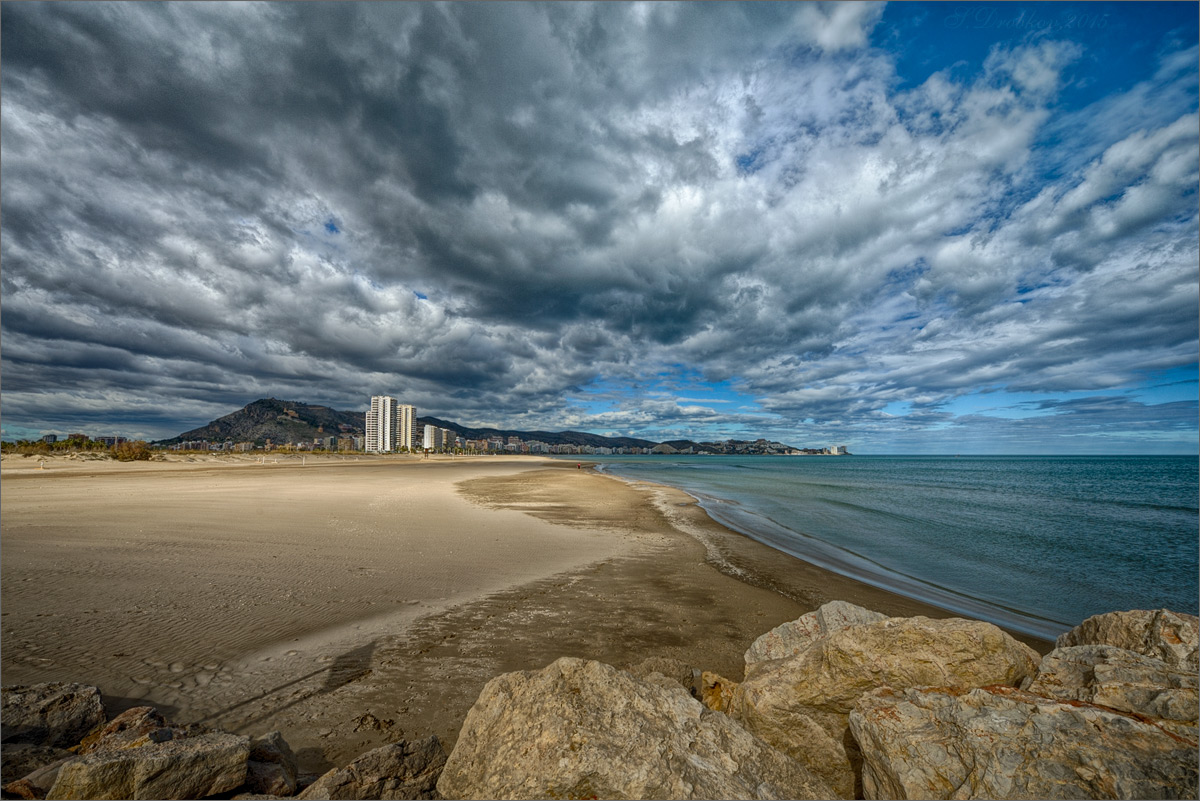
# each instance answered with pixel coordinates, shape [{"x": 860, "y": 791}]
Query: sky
[{"x": 906, "y": 228}]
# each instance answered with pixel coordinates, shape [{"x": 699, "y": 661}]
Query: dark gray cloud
[{"x": 521, "y": 213}]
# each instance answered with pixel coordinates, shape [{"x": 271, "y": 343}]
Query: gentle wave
[
  {"x": 862, "y": 568},
  {"x": 1033, "y": 543}
]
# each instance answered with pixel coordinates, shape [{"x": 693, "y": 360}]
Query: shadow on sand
[{"x": 346, "y": 668}]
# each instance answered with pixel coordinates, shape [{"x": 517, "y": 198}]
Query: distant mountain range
[{"x": 291, "y": 421}]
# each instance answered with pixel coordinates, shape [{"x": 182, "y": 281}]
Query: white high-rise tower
[
  {"x": 405, "y": 420},
  {"x": 381, "y": 425}
]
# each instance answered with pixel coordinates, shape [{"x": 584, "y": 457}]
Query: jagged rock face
[
  {"x": 49, "y": 714},
  {"x": 582, "y": 729},
  {"x": 195, "y": 767},
  {"x": 789, "y": 639},
  {"x": 401, "y": 770},
  {"x": 801, "y": 704},
  {"x": 1125, "y": 681},
  {"x": 134, "y": 727},
  {"x": 1159, "y": 633},
  {"x": 1004, "y": 743}
]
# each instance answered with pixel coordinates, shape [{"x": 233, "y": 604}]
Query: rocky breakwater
[
  {"x": 1111, "y": 712},
  {"x": 138, "y": 754},
  {"x": 840, "y": 703},
  {"x": 860, "y": 705}
]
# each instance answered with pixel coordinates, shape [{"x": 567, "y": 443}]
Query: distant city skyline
[{"x": 909, "y": 228}]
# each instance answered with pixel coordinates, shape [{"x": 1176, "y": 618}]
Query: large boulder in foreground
[
  {"x": 583, "y": 729},
  {"x": 271, "y": 769},
  {"x": 1124, "y": 681},
  {"x": 404, "y": 769},
  {"x": 1162, "y": 634},
  {"x": 57, "y": 714},
  {"x": 801, "y": 705},
  {"x": 999, "y": 742},
  {"x": 791, "y": 638},
  {"x": 133, "y": 728},
  {"x": 193, "y": 767}
]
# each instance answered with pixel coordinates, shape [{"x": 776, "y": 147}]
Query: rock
[
  {"x": 581, "y": 729},
  {"x": 23, "y": 789},
  {"x": 789, "y": 639},
  {"x": 401, "y": 770},
  {"x": 193, "y": 767},
  {"x": 999, "y": 742},
  {"x": 1159, "y": 633},
  {"x": 49, "y": 714},
  {"x": 801, "y": 705},
  {"x": 21, "y": 759},
  {"x": 676, "y": 670},
  {"x": 271, "y": 769},
  {"x": 37, "y": 782},
  {"x": 716, "y": 692},
  {"x": 1124, "y": 681},
  {"x": 130, "y": 729},
  {"x": 371, "y": 723}
]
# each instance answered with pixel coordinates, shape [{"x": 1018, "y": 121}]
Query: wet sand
[{"x": 349, "y": 603}]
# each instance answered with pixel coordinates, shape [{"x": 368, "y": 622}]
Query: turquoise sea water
[{"x": 1036, "y": 543}]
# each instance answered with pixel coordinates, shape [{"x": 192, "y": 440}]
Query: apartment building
[
  {"x": 406, "y": 436},
  {"x": 381, "y": 424},
  {"x": 391, "y": 426}
]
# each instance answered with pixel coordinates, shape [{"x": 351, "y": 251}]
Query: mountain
[
  {"x": 277, "y": 420},
  {"x": 290, "y": 421}
]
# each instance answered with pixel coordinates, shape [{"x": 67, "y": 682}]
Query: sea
[{"x": 1033, "y": 543}]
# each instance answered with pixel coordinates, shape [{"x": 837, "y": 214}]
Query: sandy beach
[{"x": 351, "y": 602}]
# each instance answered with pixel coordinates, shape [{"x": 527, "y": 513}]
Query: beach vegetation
[
  {"x": 136, "y": 451},
  {"x": 124, "y": 451}
]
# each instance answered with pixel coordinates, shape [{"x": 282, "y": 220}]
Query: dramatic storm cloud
[{"x": 921, "y": 227}]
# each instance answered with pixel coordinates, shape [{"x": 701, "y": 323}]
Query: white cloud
[{"x": 577, "y": 191}]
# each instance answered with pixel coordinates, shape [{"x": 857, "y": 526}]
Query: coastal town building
[
  {"x": 438, "y": 439},
  {"x": 406, "y": 416},
  {"x": 381, "y": 424},
  {"x": 390, "y": 426}
]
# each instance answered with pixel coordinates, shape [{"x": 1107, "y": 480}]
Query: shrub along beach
[{"x": 559, "y": 632}]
